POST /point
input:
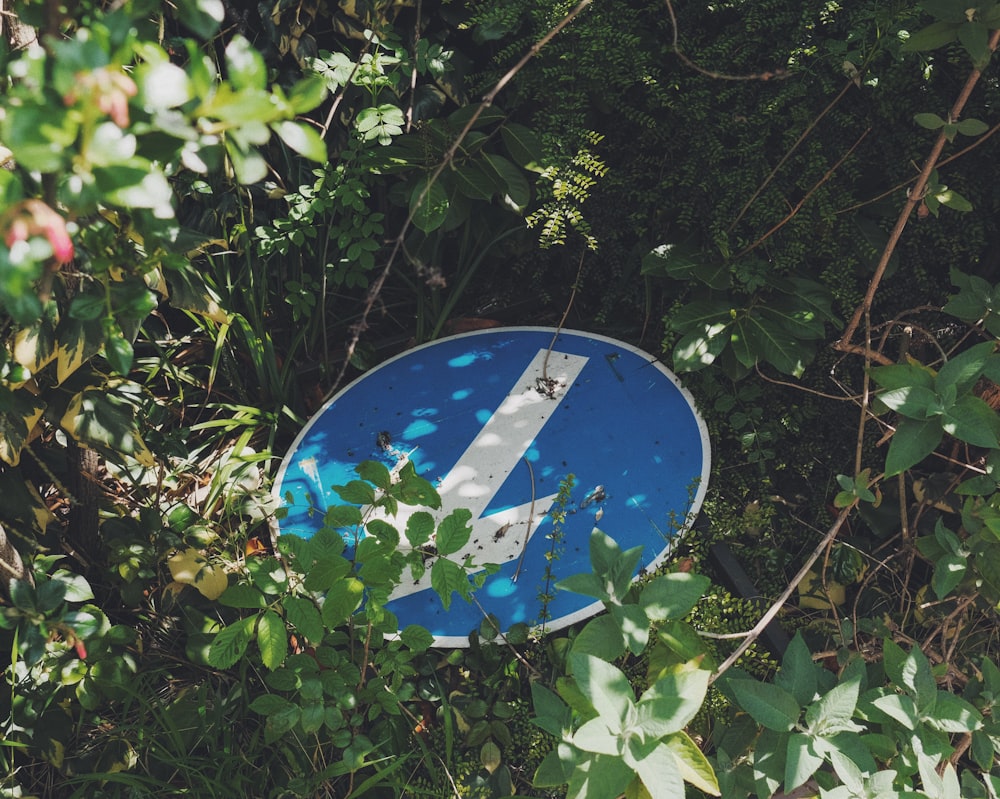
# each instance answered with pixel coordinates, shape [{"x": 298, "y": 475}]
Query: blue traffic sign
[{"x": 497, "y": 420}]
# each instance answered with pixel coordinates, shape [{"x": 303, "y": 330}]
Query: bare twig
[
  {"x": 531, "y": 520},
  {"x": 802, "y": 137},
  {"x": 808, "y": 194},
  {"x": 773, "y": 611},
  {"x": 775, "y": 75},
  {"x": 914, "y": 199}
]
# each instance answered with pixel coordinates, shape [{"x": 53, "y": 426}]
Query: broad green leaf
[
  {"x": 76, "y": 342},
  {"x": 272, "y": 640},
  {"x": 633, "y": 625},
  {"x": 700, "y": 312},
  {"x": 357, "y": 492},
  {"x": 269, "y": 704},
  {"x": 933, "y": 36},
  {"x": 448, "y": 577},
  {"x": 326, "y": 572},
  {"x": 769, "y": 341},
  {"x": 307, "y": 94},
  {"x": 974, "y": 37},
  {"x": 899, "y": 376},
  {"x": 313, "y": 716},
  {"x": 35, "y": 346},
  {"x": 600, "y": 777},
  {"x": 383, "y": 532},
  {"x": 672, "y": 701},
  {"x": 768, "y": 705},
  {"x": 343, "y": 598},
  {"x": 948, "y": 573},
  {"x": 801, "y": 761},
  {"x": 231, "y": 643},
  {"x": 660, "y": 773},
  {"x": 693, "y": 764},
  {"x": 798, "y": 672},
  {"x": 304, "y": 616},
  {"x": 557, "y": 767},
  {"x": 913, "y": 441},
  {"x": 601, "y": 637},
  {"x": 971, "y": 420},
  {"x": 375, "y": 473},
  {"x": 833, "y": 711},
  {"x": 915, "y": 402},
  {"x": 595, "y": 736},
  {"x": 475, "y": 182},
  {"x": 952, "y": 714},
  {"x": 248, "y": 164},
  {"x": 972, "y": 127},
  {"x": 604, "y": 554},
  {"x": 585, "y": 583},
  {"x": 419, "y": 528},
  {"x": 945, "y": 10},
  {"x": 302, "y": 138},
  {"x": 605, "y": 686},
  {"x": 963, "y": 370},
  {"x": 900, "y": 708},
  {"x": 515, "y": 184},
  {"x": 700, "y": 347},
  {"x": 915, "y": 674},
  {"x": 523, "y": 144},
  {"x": 672, "y": 596},
  {"x": 428, "y": 205},
  {"x": 20, "y": 411},
  {"x": 553, "y": 715},
  {"x": 241, "y": 595},
  {"x": 453, "y": 532},
  {"x": 245, "y": 65},
  {"x": 415, "y": 490},
  {"x": 416, "y": 637},
  {"x": 929, "y": 121},
  {"x": 136, "y": 184},
  {"x": 98, "y": 417}
]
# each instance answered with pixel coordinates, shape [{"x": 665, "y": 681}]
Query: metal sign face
[{"x": 496, "y": 420}]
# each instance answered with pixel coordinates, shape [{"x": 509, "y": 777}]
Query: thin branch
[
  {"x": 808, "y": 194},
  {"x": 802, "y": 137},
  {"x": 775, "y": 75},
  {"x": 773, "y": 611},
  {"x": 914, "y": 199},
  {"x": 376, "y": 288}
]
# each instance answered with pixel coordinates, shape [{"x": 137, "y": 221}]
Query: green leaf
[
  {"x": 974, "y": 37},
  {"x": 948, "y": 573},
  {"x": 357, "y": 492},
  {"x": 230, "y": 643},
  {"x": 972, "y": 127},
  {"x": 801, "y": 761},
  {"x": 672, "y": 701},
  {"x": 963, "y": 370},
  {"x": 416, "y": 637},
  {"x": 693, "y": 764},
  {"x": 375, "y": 473},
  {"x": 699, "y": 313},
  {"x": 557, "y": 767},
  {"x": 326, "y": 572},
  {"x": 600, "y": 777},
  {"x": 932, "y": 37},
  {"x": 475, "y": 182},
  {"x": 915, "y": 402},
  {"x": 768, "y": 705},
  {"x": 428, "y": 205},
  {"x": 272, "y": 640},
  {"x": 900, "y": 708},
  {"x": 415, "y": 490},
  {"x": 419, "y": 528},
  {"x": 454, "y": 531},
  {"x": 605, "y": 686},
  {"x": 595, "y": 736},
  {"x": 302, "y": 138},
  {"x": 523, "y": 144},
  {"x": 913, "y": 441},
  {"x": 798, "y": 674},
  {"x": 929, "y": 121},
  {"x": 518, "y": 190},
  {"x": 601, "y": 637},
  {"x": 343, "y": 598},
  {"x": 900, "y": 376},
  {"x": 585, "y": 583},
  {"x": 242, "y": 595},
  {"x": 245, "y": 65},
  {"x": 971, "y": 420},
  {"x": 448, "y": 577},
  {"x": 633, "y": 625},
  {"x": 953, "y": 714},
  {"x": 672, "y": 596},
  {"x": 660, "y": 773},
  {"x": 770, "y": 341},
  {"x": 383, "y": 532},
  {"x": 303, "y": 615},
  {"x": 700, "y": 347},
  {"x": 269, "y": 704},
  {"x": 832, "y": 713}
]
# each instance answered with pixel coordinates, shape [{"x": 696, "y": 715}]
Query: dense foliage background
[{"x": 216, "y": 214}]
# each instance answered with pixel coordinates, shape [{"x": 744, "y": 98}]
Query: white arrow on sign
[{"x": 491, "y": 457}]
